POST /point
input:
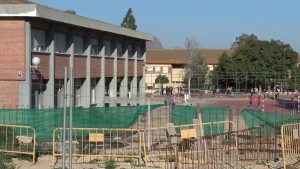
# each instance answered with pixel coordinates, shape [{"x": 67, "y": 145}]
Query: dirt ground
[{"x": 46, "y": 162}]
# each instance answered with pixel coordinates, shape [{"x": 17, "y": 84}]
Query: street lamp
[{"x": 35, "y": 61}]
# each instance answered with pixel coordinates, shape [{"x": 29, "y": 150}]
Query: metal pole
[
  {"x": 189, "y": 87},
  {"x": 70, "y": 118},
  {"x": 64, "y": 121},
  {"x": 236, "y": 79},
  {"x": 149, "y": 124}
]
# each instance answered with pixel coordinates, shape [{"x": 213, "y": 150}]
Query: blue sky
[{"x": 215, "y": 23}]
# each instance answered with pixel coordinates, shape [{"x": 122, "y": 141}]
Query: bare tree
[{"x": 195, "y": 64}]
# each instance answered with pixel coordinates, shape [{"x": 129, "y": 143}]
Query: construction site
[
  {"x": 80, "y": 93},
  {"x": 210, "y": 132}
]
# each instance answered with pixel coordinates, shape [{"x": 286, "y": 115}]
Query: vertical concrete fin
[{"x": 25, "y": 86}]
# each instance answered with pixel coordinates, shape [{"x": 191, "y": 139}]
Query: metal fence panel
[
  {"x": 185, "y": 146},
  {"x": 290, "y": 140},
  {"x": 18, "y": 140},
  {"x": 98, "y": 143}
]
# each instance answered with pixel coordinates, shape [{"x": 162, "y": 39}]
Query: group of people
[
  {"x": 169, "y": 90},
  {"x": 216, "y": 91},
  {"x": 252, "y": 100}
]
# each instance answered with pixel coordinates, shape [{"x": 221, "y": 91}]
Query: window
[
  {"x": 38, "y": 40},
  {"x": 119, "y": 50},
  {"x": 93, "y": 96},
  {"x": 130, "y": 51},
  {"x": 139, "y": 52},
  {"x": 107, "y": 48},
  {"x": 78, "y": 45},
  {"x": 60, "y": 42},
  {"x": 77, "y": 97},
  {"x": 149, "y": 69},
  {"x": 94, "y": 47},
  {"x": 157, "y": 69},
  {"x": 149, "y": 86},
  {"x": 165, "y": 70}
]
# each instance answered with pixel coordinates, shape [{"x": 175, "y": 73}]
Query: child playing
[{"x": 258, "y": 100}]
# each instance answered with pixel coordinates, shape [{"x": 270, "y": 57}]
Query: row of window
[
  {"x": 39, "y": 43},
  {"x": 157, "y": 69}
]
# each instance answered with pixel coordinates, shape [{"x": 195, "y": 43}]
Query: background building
[
  {"x": 172, "y": 62},
  {"x": 108, "y": 60}
]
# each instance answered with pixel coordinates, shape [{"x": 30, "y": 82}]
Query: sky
[{"x": 214, "y": 23}]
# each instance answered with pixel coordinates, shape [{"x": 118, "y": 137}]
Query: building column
[
  {"x": 71, "y": 51},
  {"x": 133, "y": 84},
  {"x": 25, "y": 86},
  {"x": 113, "y": 83},
  {"x": 124, "y": 83},
  {"x": 85, "y": 91},
  {"x": 142, "y": 81},
  {"x": 100, "y": 87},
  {"x": 48, "y": 95}
]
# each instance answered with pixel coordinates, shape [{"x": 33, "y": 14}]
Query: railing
[
  {"x": 290, "y": 140},
  {"x": 96, "y": 143},
  {"x": 189, "y": 146},
  {"x": 18, "y": 140}
]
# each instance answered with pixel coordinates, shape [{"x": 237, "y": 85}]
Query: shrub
[
  {"x": 110, "y": 164},
  {"x": 6, "y": 162}
]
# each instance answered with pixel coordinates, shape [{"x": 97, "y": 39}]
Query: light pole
[{"x": 35, "y": 61}]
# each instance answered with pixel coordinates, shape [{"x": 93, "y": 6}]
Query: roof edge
[{"x": 41, "y": 11}]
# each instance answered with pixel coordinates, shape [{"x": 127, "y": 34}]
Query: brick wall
[
  {"x": 109, "y": 67},
  {"x": 120, "y": 67},
  {"x": 140, "y": 67},
  {"x": 79, "y": 67},
  {"x": 12, "y": 50},
  {"x": 12, "y": 60},
  {"x": 95, "y": 67},
  {"x": 61, "y": 61},
  {"x": 9, "y": 93},
  {"x": 130, "y": 67}
]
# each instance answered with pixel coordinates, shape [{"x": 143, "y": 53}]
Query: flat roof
[{"x": 40, "y": 11}]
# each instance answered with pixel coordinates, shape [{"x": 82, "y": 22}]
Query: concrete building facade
[{"x": 108, "y": 60}]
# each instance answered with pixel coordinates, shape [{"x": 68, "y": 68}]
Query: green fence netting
[
  {"x": 271, "y": 121},
  {"x": 46, "y": 120},
  {"x": 185, "y": 114}
]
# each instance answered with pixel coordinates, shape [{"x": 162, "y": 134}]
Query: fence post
[
  {"x": 70, "y": 118},
  {"x": 263, "y": 104},
  {"x": 149, "y": 124},
  {"x": 230, "y": 119},
  {"x": 64, "y": 121},
  {"x": 197, "y": 111}
]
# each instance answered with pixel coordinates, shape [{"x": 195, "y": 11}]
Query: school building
[
  {"x": 171, "y": 63},
  {"x": 108, "y": 60}
]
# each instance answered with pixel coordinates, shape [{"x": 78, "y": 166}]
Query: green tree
[
  {"x": 255, "y": 62},
  {"x": 161, "y": 79},
  {"x": 129, "y": 20},
  {"x": 294, "y": 79},
  {"x": 220, "y": 73}
]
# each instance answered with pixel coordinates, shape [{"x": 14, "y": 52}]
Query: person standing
[
  {"x": 292, "y": 106},
  {"x": 258, "y": 100},
  {"x": 251, "y": 98}
]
